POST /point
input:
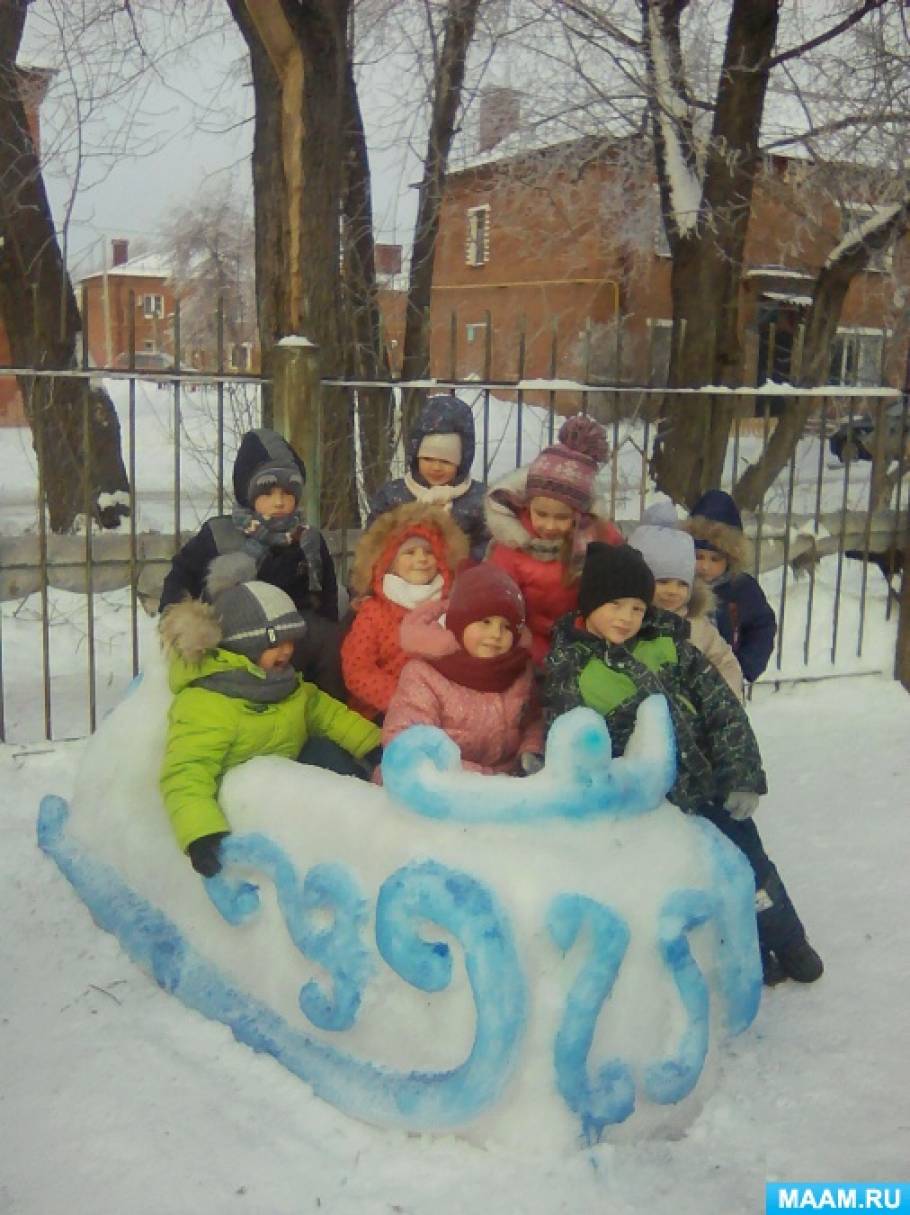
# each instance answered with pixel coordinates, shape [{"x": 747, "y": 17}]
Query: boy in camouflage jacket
[{"x": 619, "y": 651}]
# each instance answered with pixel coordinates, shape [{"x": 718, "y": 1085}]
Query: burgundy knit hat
[
  {"x": 566, "y": 471},
  {"x": 480, "y": 591}
]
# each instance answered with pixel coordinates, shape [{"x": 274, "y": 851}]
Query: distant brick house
[
  {"x": 563, "y": 249},
  {"x": 128, "y": 314},
  {"x": 33, "y": 84}
]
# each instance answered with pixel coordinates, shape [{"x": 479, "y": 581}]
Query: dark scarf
[
  {"x": 268, "y": 689},
  {"x": 483, "y": 674}
]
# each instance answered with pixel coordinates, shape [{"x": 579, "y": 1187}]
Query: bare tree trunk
[
  {"x": 448, "y": 80},
  {"x": 708, "y": 256},
  {"x": 75, "y": 429},
  {"x": 366, "y": 351},
  {"x": 299, "y": 58}
]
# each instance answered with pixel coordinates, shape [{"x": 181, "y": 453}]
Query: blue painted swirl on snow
[
  {"x": 412, "y": 1100},
  {"x": 427, "y": 890},
  {"x": 672, "y": 1079},
  {"x": 736, "y": 941},
  {"x": 609, "y": 1096},
  {"x": 421, "y": 767},
  {"x": 338, "y": 947}
]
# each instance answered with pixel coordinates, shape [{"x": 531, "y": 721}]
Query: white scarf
[
  {"x": 410, "y": 594},
  {"x": 436, "y": 495}
]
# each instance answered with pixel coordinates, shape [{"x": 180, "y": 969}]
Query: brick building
[
  {"x": 561, "y": 252},
  {"x": 131, "y": 302}
]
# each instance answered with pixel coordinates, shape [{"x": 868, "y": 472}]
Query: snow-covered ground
[{"x": 114, "y": 1097}]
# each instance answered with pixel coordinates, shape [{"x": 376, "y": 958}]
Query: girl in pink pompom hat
[{"x": 542, "y": 519}]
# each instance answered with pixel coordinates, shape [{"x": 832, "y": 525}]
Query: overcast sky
[{"x": 185, "y": 126}]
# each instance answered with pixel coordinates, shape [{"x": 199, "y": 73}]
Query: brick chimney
[
  {"x": 388, "y": 259},
  {"x": 120, "y": 251},
  {"x": 500, "y": 112}
]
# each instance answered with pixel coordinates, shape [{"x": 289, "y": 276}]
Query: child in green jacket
[
  {"x": 619, "y": 650},
  {"x": 236, "y": 695}
]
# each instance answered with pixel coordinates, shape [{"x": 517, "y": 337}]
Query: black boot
[
  {"x": 772, "y": 972},
  {"x": 801, "y": 962}
]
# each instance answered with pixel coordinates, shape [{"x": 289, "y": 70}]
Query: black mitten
[
  {"x": 372, "y": 760},
  {"x": 205, "y": 854}
]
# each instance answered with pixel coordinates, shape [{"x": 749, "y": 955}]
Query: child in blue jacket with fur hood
[{"x": 744, "y": 617}]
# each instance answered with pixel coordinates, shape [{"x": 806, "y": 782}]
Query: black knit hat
[{"x": 613, "y": 572}]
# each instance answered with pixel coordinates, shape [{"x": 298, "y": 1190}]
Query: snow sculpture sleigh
[{"x": 534, "y": 962}]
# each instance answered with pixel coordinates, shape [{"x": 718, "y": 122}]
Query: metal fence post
[
  {"x": 902, "y": 658},
  {"x": 297, "y": 410}
]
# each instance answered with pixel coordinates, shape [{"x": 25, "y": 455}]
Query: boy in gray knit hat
[{"x": 237, "y": 695}]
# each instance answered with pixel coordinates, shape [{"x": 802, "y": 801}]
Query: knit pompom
[
  {"x": 227, "y": 571},
  {"x": 585, "y": 436}
]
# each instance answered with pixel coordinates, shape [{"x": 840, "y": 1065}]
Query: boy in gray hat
[{"x": 236, "y": 695}]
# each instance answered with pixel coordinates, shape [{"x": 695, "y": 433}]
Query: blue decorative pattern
[
  {"x": 332, "y": 888},
  {"x": 610, "y": 1096},
  {"x": 580, "y": 779},
  {"x": 413, "y": 1100}
]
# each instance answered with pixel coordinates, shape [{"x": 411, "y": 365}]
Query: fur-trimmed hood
[
  {"x": 702, "y": 601},
  {"x": 505, "y": 502},
  {"x": 734, "y": 544},
  {"x": 380, "y": 542},
  {"x": 189, "y": 630}
]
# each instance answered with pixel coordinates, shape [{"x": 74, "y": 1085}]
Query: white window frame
[
  {"x": 153, "y": 306},
  {"x": 854, "y": 216},
  {"x": 248, "y": 347},
  {"x": 474, "y": 330},
  {"x": 477, "y": 236},
  {"x": 854, "y": 334}
]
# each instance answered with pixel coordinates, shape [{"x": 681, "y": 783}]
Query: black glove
[
  {"x": 371, "y": 761},
  {"x": 205, "y": 854}
]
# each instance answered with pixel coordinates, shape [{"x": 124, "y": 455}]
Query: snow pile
[{"x": 527, "y": 962}]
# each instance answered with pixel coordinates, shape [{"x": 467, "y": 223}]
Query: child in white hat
[{"x": 670, "y": 555}]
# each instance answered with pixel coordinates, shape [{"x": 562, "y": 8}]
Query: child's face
[
  {"x": 709, "y": 564},
  {"x": 671, "y": 594},
  {"x": 617, "y": 620},
  {"x": 436, "y": 472},
  {"x": 488, "y": 638},
  {"x": 415, "y": 562},
  {"x": 275, "y": 503},
  {"x": 550, "y": 518},
  {"x": 277, "y": 657}
]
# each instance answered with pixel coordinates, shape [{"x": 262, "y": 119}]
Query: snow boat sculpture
[{"x": 538, "y": 962}]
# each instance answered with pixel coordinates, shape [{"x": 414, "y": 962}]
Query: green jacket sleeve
[
  {"x": 727, "y": 734},
  {"x": 329, "y": 718},
  {"x": 198, "y": 742}
]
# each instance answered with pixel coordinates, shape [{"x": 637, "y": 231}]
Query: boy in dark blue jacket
[
  {"x": 266, "y": 535},
  {"x": 744, "y": 617}
]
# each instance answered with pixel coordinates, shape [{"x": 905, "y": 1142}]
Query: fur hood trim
[
  {"x": 449, "y": 542},
  {"x": 189, "y": 630},
  {"x": 507, "y": 499},
  {"x": 730, "y": 541},
  {"x": 702, "y": 601}
]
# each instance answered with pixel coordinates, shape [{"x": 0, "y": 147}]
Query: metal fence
[{"x": 75, "y": 609}]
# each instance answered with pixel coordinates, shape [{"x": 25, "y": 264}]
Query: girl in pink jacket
[{"x": 472, "y": 676}]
